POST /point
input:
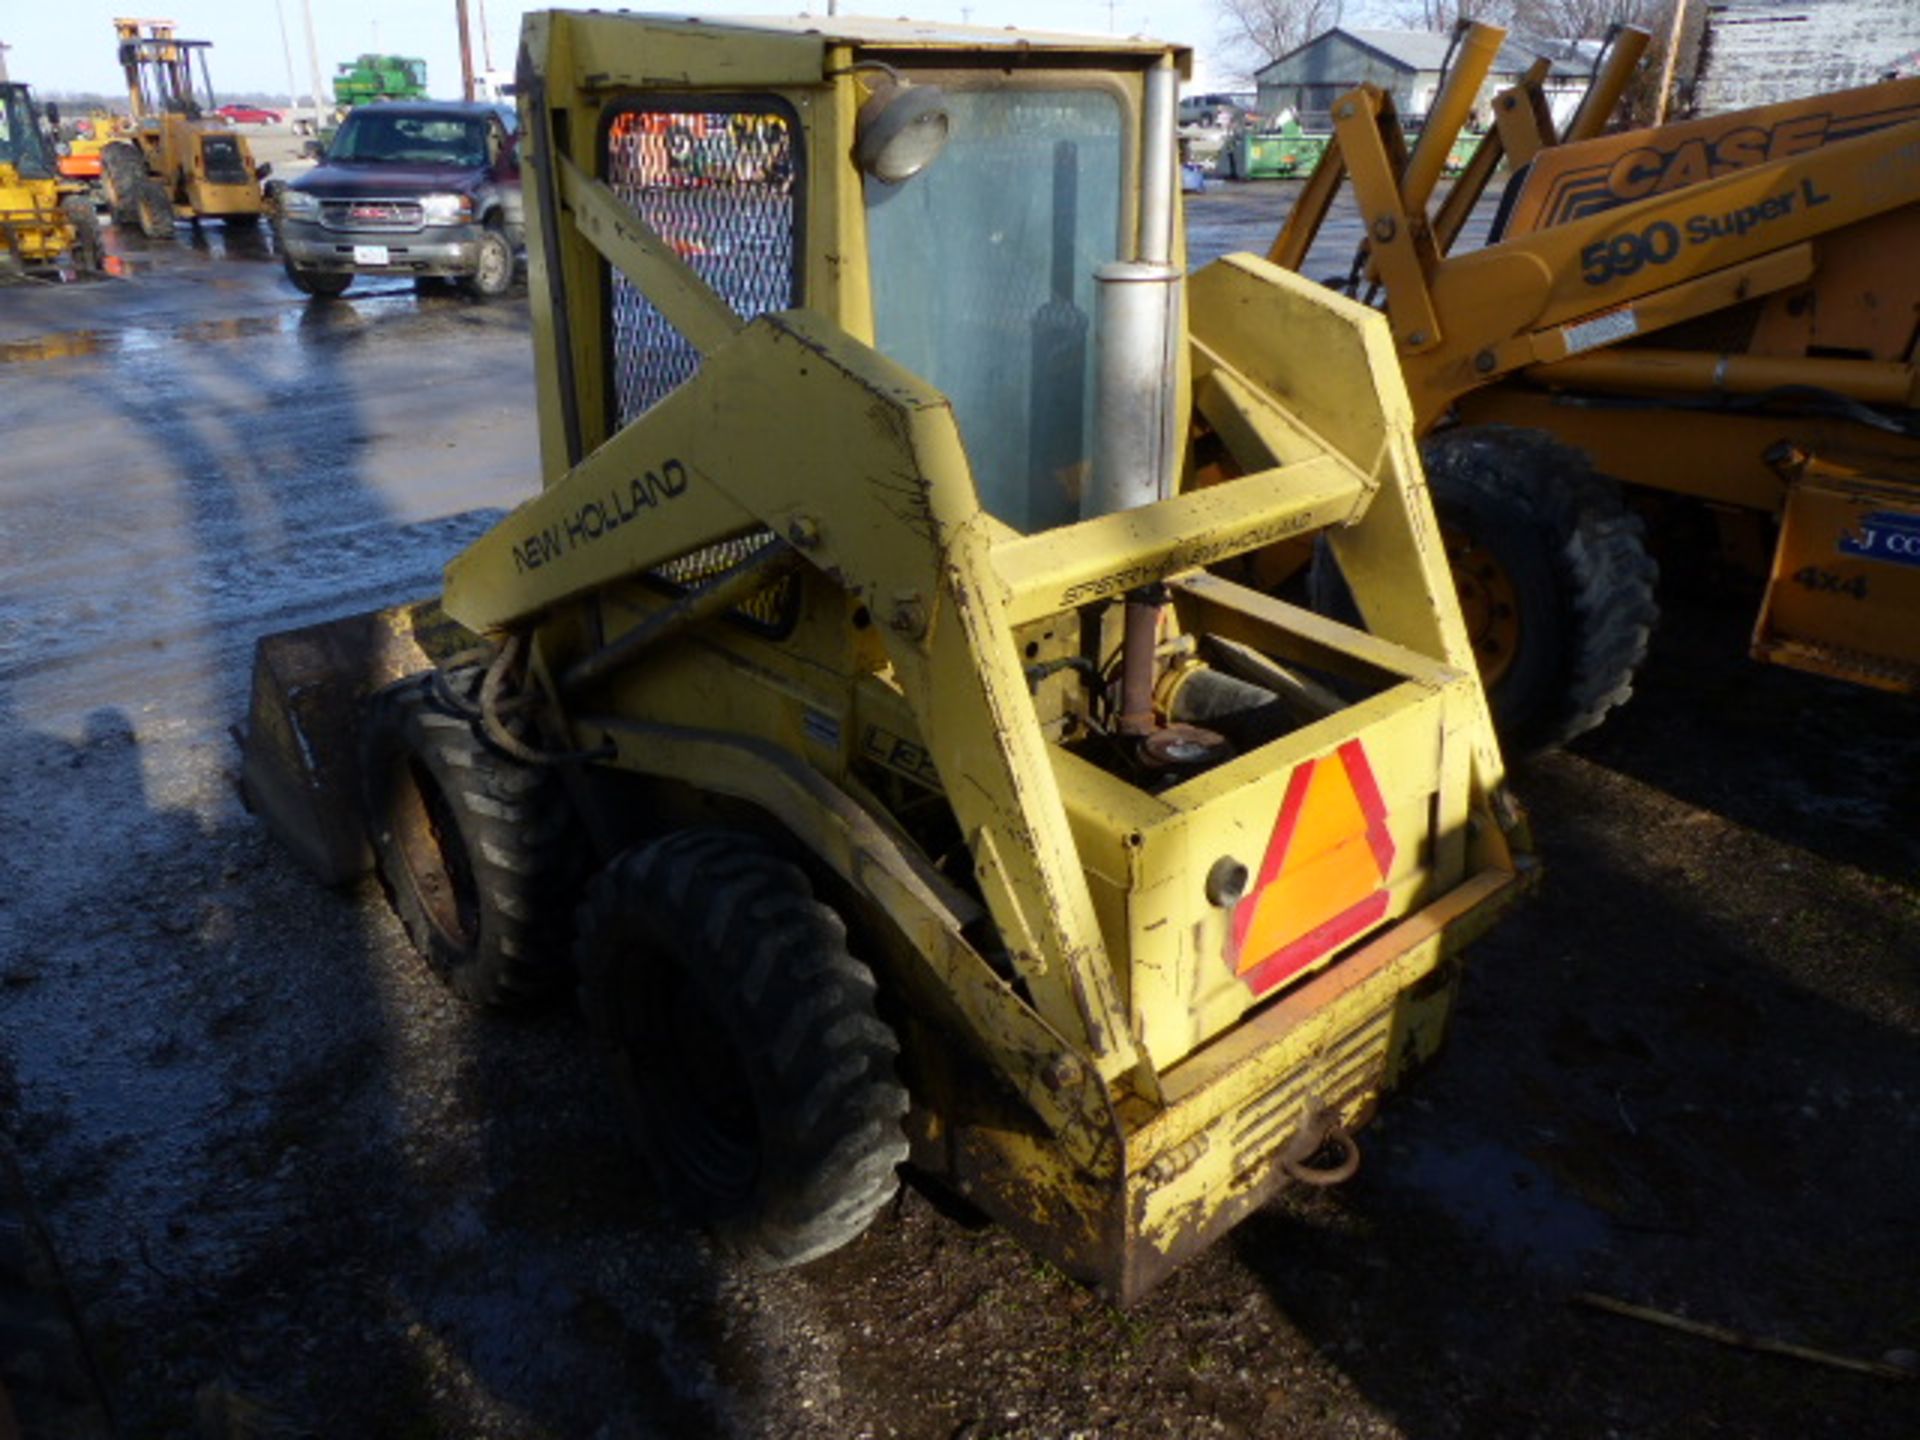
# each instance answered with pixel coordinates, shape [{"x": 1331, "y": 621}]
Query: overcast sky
[{"x": 68, "y": 44}]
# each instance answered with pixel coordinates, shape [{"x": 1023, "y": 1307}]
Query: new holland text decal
[{"x": 624, "y": 503}]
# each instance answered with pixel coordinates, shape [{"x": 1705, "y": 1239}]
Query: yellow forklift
[
  {"x": 177, "y": 158},
  {"x": 852, "y": 715}
]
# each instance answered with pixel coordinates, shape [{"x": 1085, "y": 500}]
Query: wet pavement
[
  {"x": 301, "y": 1192},
  {"x": 196, "y": 443}
]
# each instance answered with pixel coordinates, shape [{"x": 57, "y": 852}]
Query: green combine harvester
[{"x": 380, "y": 77}]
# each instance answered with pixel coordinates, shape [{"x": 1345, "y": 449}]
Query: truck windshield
[
  {"x": 983, "y": 284},
  {"x": 21, "y": 144},
  {"x": 373, "y": 137}
]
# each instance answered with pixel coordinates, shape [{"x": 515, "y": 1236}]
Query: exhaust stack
[{"x": 1136, "y": 328}]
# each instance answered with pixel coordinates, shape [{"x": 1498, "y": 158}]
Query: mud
[{"x": 301, "y": 1192}]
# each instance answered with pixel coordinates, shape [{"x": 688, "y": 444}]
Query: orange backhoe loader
[{"x": 1718, "y": 314}]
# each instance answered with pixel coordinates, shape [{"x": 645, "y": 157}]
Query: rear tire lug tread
[{"x": 741, "y": 922}]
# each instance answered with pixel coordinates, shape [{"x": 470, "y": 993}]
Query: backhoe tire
[
  {"x": 744, "y": 1040},
  {"x": 123, "y": 170},
  {"x": 493, "y": 271},
  {"x": 155, "y": 209},
  {"x": 89, "y": 255},
  {"x": 479, "y": 852},
  {"x": 320, "y": 284},
  {"x": 1554, "y": 576}
]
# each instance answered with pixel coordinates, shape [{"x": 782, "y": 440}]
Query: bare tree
[
  {"x": 1592, "y": 19},
  {"x": 1256, "y": 31},
  {"x": 1440, "y": 16},
  {"x": 1585, "y": 19}
]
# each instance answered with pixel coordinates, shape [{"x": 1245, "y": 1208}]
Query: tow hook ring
[{"x": 1320, "y": 1129}]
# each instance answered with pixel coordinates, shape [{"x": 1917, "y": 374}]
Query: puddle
[
  {"x": 54, "y": 347},
  {"x": 307, "y": 321},
  {"x": 136, "y": 338},
  {"x": 1507, "y": 1198}
]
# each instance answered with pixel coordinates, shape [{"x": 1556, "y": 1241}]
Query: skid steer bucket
[{"x": 300, "y": 752}]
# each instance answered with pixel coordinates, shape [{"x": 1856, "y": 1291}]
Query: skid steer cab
[{"x": 854, "y": 713}]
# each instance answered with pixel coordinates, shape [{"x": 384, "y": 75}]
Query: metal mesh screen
[{"x": 722, "y": 188}]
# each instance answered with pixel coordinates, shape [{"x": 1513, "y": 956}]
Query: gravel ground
[{"x": 300, "y": 1192}]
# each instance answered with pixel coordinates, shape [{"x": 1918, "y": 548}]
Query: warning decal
[{"x": 1323, "y": 880}]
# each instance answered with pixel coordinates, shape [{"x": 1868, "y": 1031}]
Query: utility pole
[
  {"x": 486, "y": 42},
  {"x": 313, "y": 65},
  {"x": 466, "y": 51},
  {"x": 286, "y": 53}
]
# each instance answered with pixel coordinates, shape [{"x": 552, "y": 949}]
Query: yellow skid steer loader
[{"x": 852, "y": 713}]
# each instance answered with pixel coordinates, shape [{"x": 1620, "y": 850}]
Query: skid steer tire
[
  {"x": 155, "y": 210},
  {"x": 1555, "y": 578},
  {"x": 744, "y": 1041},
  {"x": 479, "y": 852}
]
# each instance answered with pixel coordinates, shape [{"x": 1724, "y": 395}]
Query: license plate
[{"x": 369, "y": 254}]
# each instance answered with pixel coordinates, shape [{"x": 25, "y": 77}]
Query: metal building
[
  {"x": 1408, "y": 64},
  {"x": 1757, "y": 52}
]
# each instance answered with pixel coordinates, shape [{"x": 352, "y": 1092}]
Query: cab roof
[{"x": 921, "y": 34}]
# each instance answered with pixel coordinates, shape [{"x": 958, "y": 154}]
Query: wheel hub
[
  {"x": 429, "y": 846},
  {"x": 1488, "y": 603}
]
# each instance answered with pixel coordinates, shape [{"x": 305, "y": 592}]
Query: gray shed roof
[
  {"x": 1414, "y": 50},
  {"x": 1572, "y": 58}
]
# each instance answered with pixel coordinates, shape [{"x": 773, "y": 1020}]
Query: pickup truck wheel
[
  {"x": 493, "y": 269},
  {"x": 1554, "y": 578},
  {"x": 321, "y": 284},
  {"x": 743, "y": 1037},
  {"x": 479, "y": 852}
]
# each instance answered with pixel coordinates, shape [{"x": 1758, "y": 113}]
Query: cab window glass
[{"x": 983, "y": 284}]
